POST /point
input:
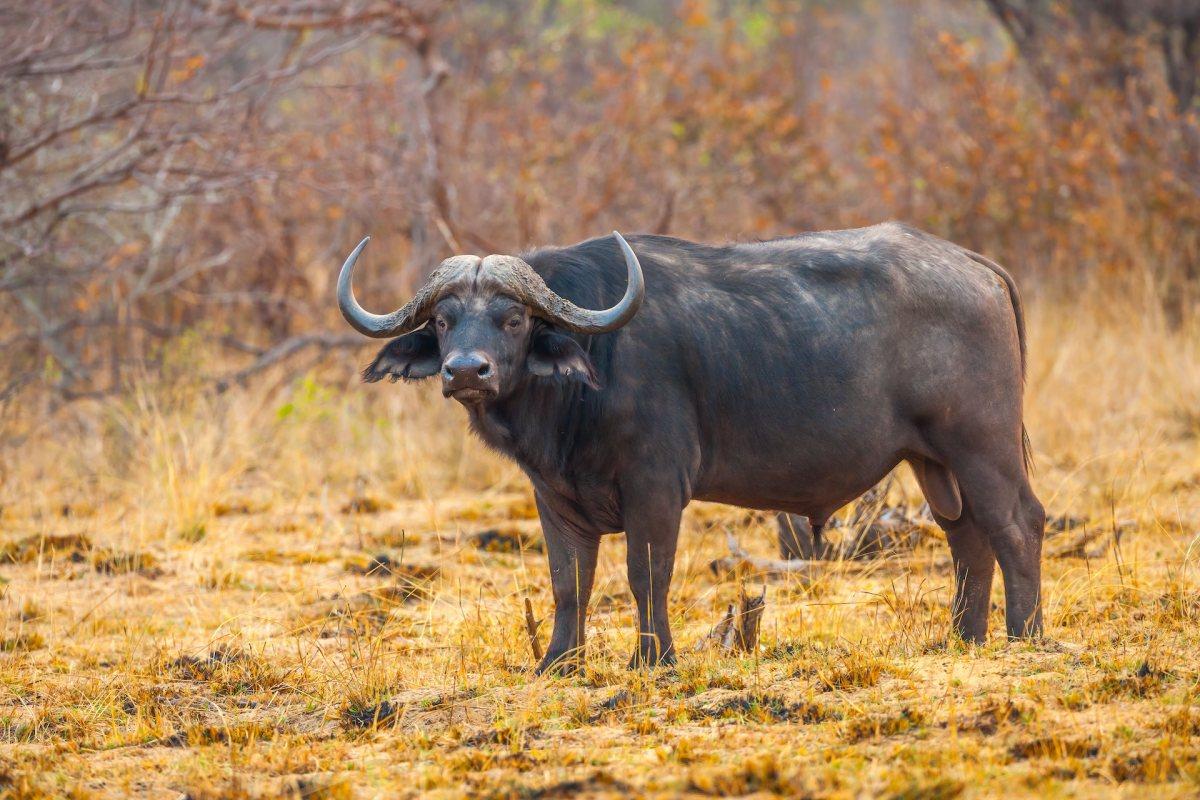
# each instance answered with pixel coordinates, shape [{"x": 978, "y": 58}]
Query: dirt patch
[
  {"x": 22, "y": 642},
  {"x": 365, "y": 504},
  {"x": 116, "y": 562},
  {"x": 996, "y": 715},
  {"x": 757, "y": 707},
  {"x": 385, "y": 564},
  {"x": 229, "y": 669},
  {"x": 600, "y": 784},
  {"x": 760, "y": 773},
  {"x": 507, "y": 540},
  {"x": 1055, "y": 747},
  {"x": 72, "y": 546},
  {"x": 292, "y": 557},
  {"x": 876, "y": 726}
]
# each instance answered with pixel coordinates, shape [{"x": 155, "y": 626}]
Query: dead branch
[
  {"x": 163, "y": 118},
  {"x": 663, "y": 225},
  {"x": 335, "y": 15},
  {"x": 1093, "y": 542},
  {"x": 738, "y": 557},
  {"x": 531, "y": 626},
  {"x": 433, "y": 74},
  {"x": 738, "y": 629},
  {"x": 286, "y": 349}
]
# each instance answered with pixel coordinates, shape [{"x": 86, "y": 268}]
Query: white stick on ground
[{"x": 771, "y": 566}]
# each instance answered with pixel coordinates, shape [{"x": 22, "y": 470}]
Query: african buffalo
[{"x": 787, "y": 375}]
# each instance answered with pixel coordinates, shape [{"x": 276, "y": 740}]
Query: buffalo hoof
[
  {"x": 561, "y": 664},
  {"x": 1044, "y": 644},
  {"x": 977, "y": 637},
  {"x": 647, "y": 660},
  {"x": 955, "y": 643}
]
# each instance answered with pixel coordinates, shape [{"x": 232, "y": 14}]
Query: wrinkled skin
[{"x": 788, "y": 375}]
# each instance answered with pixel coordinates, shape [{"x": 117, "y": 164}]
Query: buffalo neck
[{"x": 541, "y": 425}]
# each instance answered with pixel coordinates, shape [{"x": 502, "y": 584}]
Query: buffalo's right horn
[{"x": 408, "y": 318}]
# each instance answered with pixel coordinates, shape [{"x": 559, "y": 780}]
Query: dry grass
[{"x": 282, "y": 593}]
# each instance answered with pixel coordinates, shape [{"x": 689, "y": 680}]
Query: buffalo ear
[
  {"x": 410, "y": 357},
  {"x": 555, "y": 355}
]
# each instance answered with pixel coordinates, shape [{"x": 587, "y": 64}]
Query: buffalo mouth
[{"x": 470, "y": 395}]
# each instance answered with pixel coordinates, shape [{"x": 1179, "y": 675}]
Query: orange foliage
[{"x": 501, "y": 126}]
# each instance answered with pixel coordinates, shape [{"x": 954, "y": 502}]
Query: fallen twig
[
  {"x": 720, "y": 631},
  {"x": 738, "y": 629},
  {"x": 1079, "y": 546},
  {"x": 531, "y": 625},
  {"x": 750, "y": 619},
  {"x": 286, "y": 349},
  {"x": 771, "y": 566}
]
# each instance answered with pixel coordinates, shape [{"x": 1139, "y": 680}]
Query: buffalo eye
[
  {"x": 441, "y": 323},
  {"x": 513, "y": 323}
]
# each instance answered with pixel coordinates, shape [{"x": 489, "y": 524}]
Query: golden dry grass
[{"x": 277, "y": 593}]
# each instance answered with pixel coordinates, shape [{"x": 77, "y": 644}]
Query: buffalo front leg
[
  {"x": 572, "y": 557},
  {"x": 651, "y": 534}
]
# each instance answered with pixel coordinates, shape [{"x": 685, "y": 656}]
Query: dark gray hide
[{"x": 788, "y": 375}]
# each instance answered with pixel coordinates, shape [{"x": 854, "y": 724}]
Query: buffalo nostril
[{"x": 467, "y": 368}]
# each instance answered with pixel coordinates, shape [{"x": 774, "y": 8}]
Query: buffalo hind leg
[
  {"x": 999, "y": 508},
  {"x": 795, "y": 537},
  {"x": 974, "y": 561},
  {"x": 651, "y": 534},
  {"x": 572, "y": 557},
  {"x": 1018, "y": 546},
  {"x": 801, "y": 538},
  {"x": 974, "y": 566}
]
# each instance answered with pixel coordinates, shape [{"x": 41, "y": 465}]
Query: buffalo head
[{"x": 482, "y": 324}]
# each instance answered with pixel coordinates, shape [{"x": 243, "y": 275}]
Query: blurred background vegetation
[{"x": 179, "y": 179}]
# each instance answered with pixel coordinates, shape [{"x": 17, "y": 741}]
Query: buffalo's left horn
[
  {"x": 530, "y": 289},
  {"x": 582, "y": 320}
]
